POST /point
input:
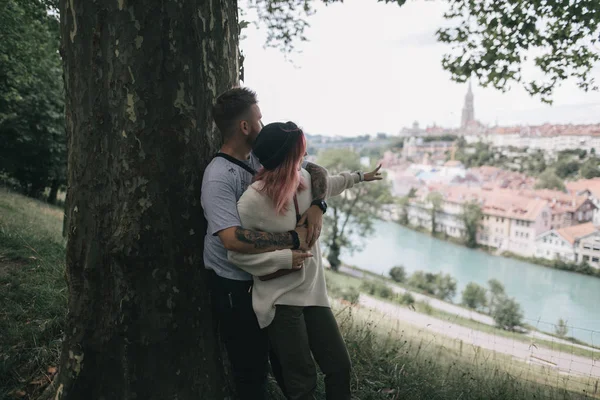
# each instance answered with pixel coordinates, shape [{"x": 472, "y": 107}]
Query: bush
[
  {"x": 424, "y": 281},
  {"x": 474, "y": 296},
  {"x": 398, "y": 274},
  {"x": 561, "y": 329},
  {"x": 445, "y": 287},
  {"x": 439, "y": 285},
  {"x": 351, "y": 295},
  {"x": 368, "y": 287},
  {"x": 376, "y": 288},
  {"x": 406, "y": 299},
  {"x": 426, "y": 308},
  {"x": 507, "y": 314}
]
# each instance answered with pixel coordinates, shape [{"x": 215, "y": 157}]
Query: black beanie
[{"x": 274, "y": 143}]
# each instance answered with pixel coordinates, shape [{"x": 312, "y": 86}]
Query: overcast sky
[{"x": 370, "y": 67}]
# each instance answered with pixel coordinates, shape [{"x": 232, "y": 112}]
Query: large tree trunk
[{"x": 140, "y": 78}]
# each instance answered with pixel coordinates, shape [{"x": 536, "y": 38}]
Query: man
[{"x": 238, "y": 117}]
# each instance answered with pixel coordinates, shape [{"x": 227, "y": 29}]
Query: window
[
  {"x": 545, "y": 240},
  {"x": 596, "y": 248},
  {"x": 586, "y": 258},
  {"x": 595, "y": 259},
  {"x": 586, "y": 246}
]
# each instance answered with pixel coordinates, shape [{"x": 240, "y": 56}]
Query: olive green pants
[{"x": 296, "y": 332}]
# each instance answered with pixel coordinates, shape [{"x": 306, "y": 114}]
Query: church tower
[{"x": 468, "y": 112}]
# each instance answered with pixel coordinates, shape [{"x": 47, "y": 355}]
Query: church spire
[{"x": 468, "y": 112}]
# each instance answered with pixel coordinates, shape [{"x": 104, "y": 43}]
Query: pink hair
[{"x": 281, "y": 183}]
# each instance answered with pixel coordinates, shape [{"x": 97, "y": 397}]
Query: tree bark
[{"x": 140, "y": 78}]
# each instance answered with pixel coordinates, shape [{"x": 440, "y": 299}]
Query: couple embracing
[{"x": 264, "y": 206}]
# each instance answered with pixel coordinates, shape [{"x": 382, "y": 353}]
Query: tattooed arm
[
  {"x": 318, "y": 176},
  {"x": 253, "y": 242},
  {"x": 313, "y": 217}
]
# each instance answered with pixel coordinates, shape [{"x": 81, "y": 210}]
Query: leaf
[{"x": 20, "y": 393}]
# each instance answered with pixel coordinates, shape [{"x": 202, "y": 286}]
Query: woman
[{"x": 290, "y": 299}]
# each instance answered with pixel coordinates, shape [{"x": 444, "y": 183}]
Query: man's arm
[
  {"x": 313, "y": 217},
  {"x": 247, "y": 241},
  {"x": 221, "y": 213}
]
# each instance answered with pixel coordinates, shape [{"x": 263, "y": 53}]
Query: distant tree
[
  {"x": 471, "y": 219},
  {"x": 445, "y": 287},
  {"x": 589, "y": 169},
  {"x": 507, "y": 314},
  {"x": 497, "y": 292},
  {"x": 350, "y": 216},
  {"x": 474, "y": 296},
  {"x": 561, "y": 329},
  {"x": 32, "y": 126},
  {"x": 549, "y": 180},
  {"x": 403, "y": 203},
  {"x": 398, "y": 274},
  {"x": 424, "y": 281},
  {"x": 442, "y": 286},
  {"x": 434, "y": 200},
  {"x": 565, "y": 168}
]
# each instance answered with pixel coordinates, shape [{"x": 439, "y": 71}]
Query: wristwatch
[{"x": 321, "y": 204}]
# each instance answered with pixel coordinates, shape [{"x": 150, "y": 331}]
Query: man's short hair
[{"x": 232, "y": 106}]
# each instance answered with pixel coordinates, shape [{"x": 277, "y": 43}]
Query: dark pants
[
  {"x": 247, "y": 345},
  {"x": 296, "y": 332}
]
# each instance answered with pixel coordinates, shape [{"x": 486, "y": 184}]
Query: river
[{"x": 545, "y": 294}]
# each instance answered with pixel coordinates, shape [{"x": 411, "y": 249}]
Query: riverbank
[
  {"x": 353, "y": 277},
  {"x": 582, "y": 269}
]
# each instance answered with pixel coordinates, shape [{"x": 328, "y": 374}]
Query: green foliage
[
  {"x": 376, "y": 288},
  {"x": 471, "y": 219},
  {"x": 507, "y": 314},
  {"x": 350, "y": 215},
  {"x": 406, "y": 299},
  {"x": 565, "y": 169},
  {"x": 441, "y": 138},
  {"x": 424, "y": 281},
  {"x": 474, "y": 296},
  {"x": 589, "y": 169},
  {"x": 403, "y": 203},
  {"x": 496, "y": 291},
  {"x": 550, "y": 180},
  {"x": 434, "y": 200},
  {"x": 442, "y": 286},
  {"x": 561, "y": 329},
  {"x": 445, "y": 287},
  {"x": 398, "y": 274},
  {"x": 32, "y": 134},
  {"x": 491, "y": 39}
]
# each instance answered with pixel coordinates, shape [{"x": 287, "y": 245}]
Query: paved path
[{"x": 563, "y": 362}]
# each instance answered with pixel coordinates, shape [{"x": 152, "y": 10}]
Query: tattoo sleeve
[
  {"x": 318, "y": 176},
  {"x": 264, "y": 240}
]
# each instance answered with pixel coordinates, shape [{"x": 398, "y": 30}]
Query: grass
[
  {"x": 391, "y": 360},
  {"x": 395, "y": 361},
  {"x": 34, "y": 295}
]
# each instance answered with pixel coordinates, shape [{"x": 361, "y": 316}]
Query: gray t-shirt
[{"x": 223, "y": 184}]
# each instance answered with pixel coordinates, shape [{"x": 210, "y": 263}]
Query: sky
[{"x": 370, "y": 67}]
